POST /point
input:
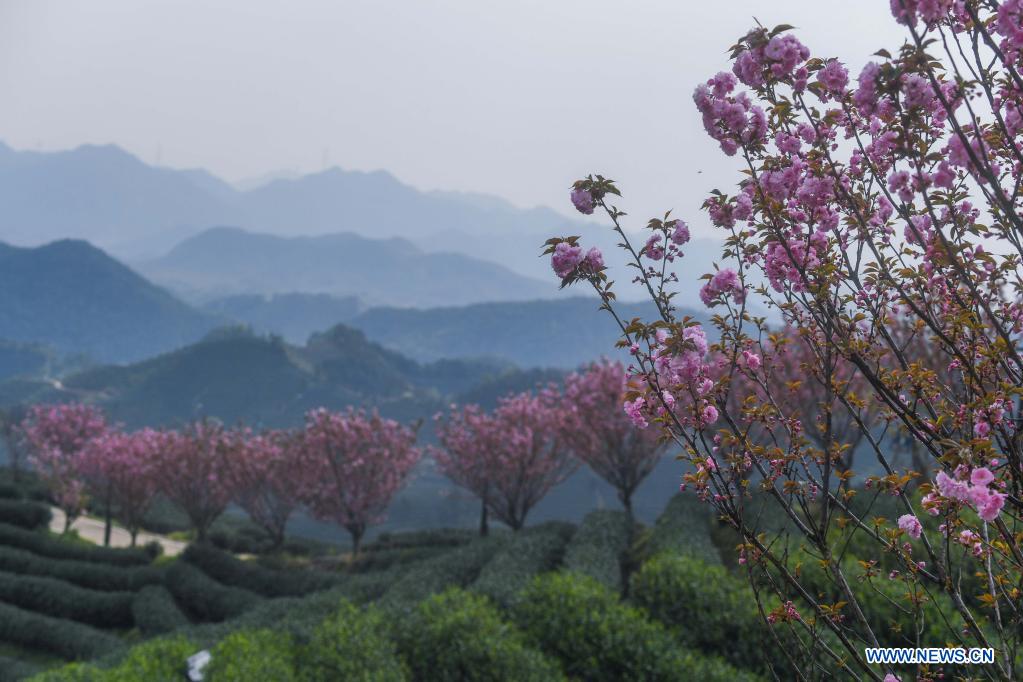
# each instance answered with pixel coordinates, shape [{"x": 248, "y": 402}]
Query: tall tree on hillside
[
  {"x": 602, "y": 435},
  {"x": 354, "y": 463},
  {"x": 510, "y": 458},
  {"x": 56, "y": 436}
]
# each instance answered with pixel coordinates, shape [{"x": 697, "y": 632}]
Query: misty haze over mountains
[
  {"x": 290, "y": 257},
  {"x": 139, "y": 212},
  {"x": 227, "y": 261},
  {"x": 111, "y": 198}
]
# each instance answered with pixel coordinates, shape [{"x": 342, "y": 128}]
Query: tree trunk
[
  {"x": 484, "y": 528},
  {"x": 356, "y": 542},
  {"x": 68, "y": 520},
  {"x": 107, "y": 521},
  {"x": 278, "y": 540},
  {"x": 134, "y": 535},
  {"x": 626, "y": 498}
]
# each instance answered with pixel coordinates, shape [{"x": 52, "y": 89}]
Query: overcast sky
[{"x": 514, "y": 98}]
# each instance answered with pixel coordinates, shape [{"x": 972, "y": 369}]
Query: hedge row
[
  {"x": 82, "y": 573},
  {"x": 63, "y": 600},
  {"x": 598, "y": 546},
  {"x": 13, "y": 669},
  {"x": 456, "y": 568},
  {"x": 64, "y": 638},
  {"x": 461, "y": 636},
  {"x": 350, "y": 645},
  {"x": 155, "y": 611},
  {"x": 298, "y": 616},
  {"x": 382, "y": 559},
  {"x": 530, "y": 552},
  {"x": 684, "y": 527},
  {"x": 161, "y": 660},
  {"x": 25, "y": 513},
  {"x": 442, "y": 537},
  {"x": 580, "y": 622},
  {"x": 230, "y": 570},
  {"x": 204, "y": 597},
  {"x": 56, "y": 548}
]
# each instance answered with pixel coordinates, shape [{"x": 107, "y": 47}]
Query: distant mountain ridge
[
  {"x": 74, "y": 297},
  {"x": 111, "y": 198},
  {"x": 226, "y": 261}
]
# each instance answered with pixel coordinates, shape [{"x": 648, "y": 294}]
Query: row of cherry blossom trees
[
  {"x": 344, "y": 467},
  {"x": 878, "y": 217}
]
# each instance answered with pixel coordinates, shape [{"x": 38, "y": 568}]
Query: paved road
[{"x": 92, "y": 530}]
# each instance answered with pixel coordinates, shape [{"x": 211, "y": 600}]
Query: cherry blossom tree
[
  {"x": 353, "y": 464},
  {"x": 470, "y": 438},
  {"x": 601, "y": 434},
  {"x": 124, "y": 466},
  {"x": 56, "y": 436},
  {"x": 510, "y": 457},
  {"x": 889, "y": 200},
  {"x": 192, "y": 471},
  {"x": 267, "y": 478}
]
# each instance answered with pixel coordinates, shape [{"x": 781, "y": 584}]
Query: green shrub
[
  {"x": 528, "y": 553},
  {"x": 460, "y": 636},
  {"x": 155, "y": 611},
  {"x": 456, "y": 568},
  {"x": 707, "y": 607},
  {"x": 25, "y": 513},
  {"x": 251, "y": 655},
  {"x": 56, "y": 548},
  {"x": 580, "y": 622},
  {"x": 598, "y": 545},
  {"x": 351, "y": 645},
  {"x": 264, "y": 581},
  {"x": 82, "y": 573},
  {"x": 59, "y": 599},
  {"x": 684, "y": 527},
  {"x": 204, "y": 597},
  {"x": 65, "y": 638}
]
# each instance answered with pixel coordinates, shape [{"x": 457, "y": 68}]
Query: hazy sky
[{"x": 514, "y": 98}]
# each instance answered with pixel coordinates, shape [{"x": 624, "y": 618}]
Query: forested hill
[
  {"x": 235, "y": 375},
  {"x": 74, "y": 297}
]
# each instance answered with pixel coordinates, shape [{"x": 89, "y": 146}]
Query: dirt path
[{"x": 92, "y": 530}]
